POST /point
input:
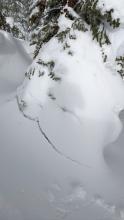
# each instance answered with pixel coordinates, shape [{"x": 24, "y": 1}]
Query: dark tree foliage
[
  {"x": 18, "y": 10},
  {"x": 30, "y": 17},
  {"x": 44, "y": 21},
  {"x": 120, "y": 65},
  {"x": 37, "y": 21},
  {"x": 97, "y": 20},
  {"x": 3, "y": 23}
]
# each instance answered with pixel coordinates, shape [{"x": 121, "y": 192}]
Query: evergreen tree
[
  {"x": 3, "y": 23},
  {"x": 44, "y": 24},
  {"x": 45, "y": 14},
  {"x": 18, "y": 11},
  {"x": 37, "y": 21}
]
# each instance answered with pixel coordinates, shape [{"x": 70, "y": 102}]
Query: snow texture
[
  {"x": 62, "y": 158},
  {"x": 13, "y": 64}
]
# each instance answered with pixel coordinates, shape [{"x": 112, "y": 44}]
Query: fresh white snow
[
  {"x": 118, "y": 7},
  {"x": 13, "y": 65},
  {"x": 62, "y": 158}
]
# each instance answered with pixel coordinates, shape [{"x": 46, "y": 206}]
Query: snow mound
[
  {"x": 13, "y": 64},
  {"x": 78, "y": 115},
  {"x": 58, "y": 145},
  {"x": 87, "y": 89}
]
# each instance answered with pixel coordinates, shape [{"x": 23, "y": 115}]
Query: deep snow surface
[
  {"x": 13, "y": 65},
  {"x": 63, "y": 164}
]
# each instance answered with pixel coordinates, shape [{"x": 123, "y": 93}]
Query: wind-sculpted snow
[
  {"x": 76, "y": 119},
  {"x": 38, "y": 183},
  {"x": 61, "y": 142},
  {"x": 13, "y": 64},
  {"x": 114, "y": 153}
]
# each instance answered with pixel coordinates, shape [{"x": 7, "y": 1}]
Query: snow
[
  {"x": 10, "y": 21},
  {"x": 117, "y": 42},
  {"x": 62, "y": 158},
  {"x": 116, "y": 5},
  {"x": 13, "y": 65},
  {"x": 36, "y": 182},
  {"x": 80, "y": 81}
]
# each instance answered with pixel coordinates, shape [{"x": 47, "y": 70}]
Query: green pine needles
[
  {"x": 40, "y": 22},
  {"x": 97, "y": 20},
  {"x": 91, "y": 18},
  {"x": 86, "y": 15}
]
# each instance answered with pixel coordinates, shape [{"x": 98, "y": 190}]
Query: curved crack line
[
  {"x": 57, "y": 150},
  {"x": 47, "y": 138}
]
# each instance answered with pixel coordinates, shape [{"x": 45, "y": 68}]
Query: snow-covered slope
[
  {"x": 57, "y": 156},
  {"x": 89, "y": 90},
  {"x": 13, "y": 64},
  {"x": 38, "y": 183}
]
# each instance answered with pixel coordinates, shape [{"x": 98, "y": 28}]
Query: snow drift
[
  {"x": 13, "y": 64},
  {"x": 54, "y": 163}
]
